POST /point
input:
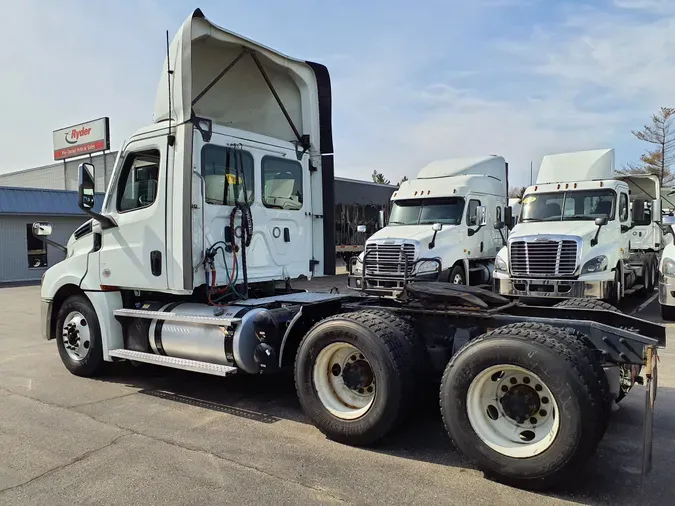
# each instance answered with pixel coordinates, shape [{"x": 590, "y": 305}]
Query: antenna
[{"x": 169, "y": 73}]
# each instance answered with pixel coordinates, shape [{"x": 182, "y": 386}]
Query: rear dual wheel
[{"x": 525, "y": 403}]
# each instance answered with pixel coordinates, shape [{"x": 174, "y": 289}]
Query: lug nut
[
  {"x": 538, "y": 388},
  {"x": 542, "y": 412},
  {"x": 505, "y": 388},
  {"x": 526, "y": 380},
  {"x": 513, "y": 381},
  {"x": 533, "y": 421},
  {"x": 544, "y": 400}
]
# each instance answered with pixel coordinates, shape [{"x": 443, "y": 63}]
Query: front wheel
[
  {"x": 457, "y": 276},
  {"x": 667, "y": 313},
  {"x": 79, "y": 337}
]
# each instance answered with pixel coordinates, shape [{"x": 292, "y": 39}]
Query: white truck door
[
  {"x": 277, "y": 189},
  {"x": 133, "y": 254},
  {"x": 474, "y": 242}
]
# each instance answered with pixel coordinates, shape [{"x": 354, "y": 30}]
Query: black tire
[
  {"x": 382, "y": 339},
  {"x": 654, "y": 274},
  {"x": 667, "y": 313},
  {"x": 92, "y": 364},
  {"x": 588, "y": 304},
  {"x": 618, "y": 284},
  {"x": 457, "y": 272},
  {"x": 553, "y": 360}
]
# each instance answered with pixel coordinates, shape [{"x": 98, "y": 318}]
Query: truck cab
[
  {"x": 583, "y": 231},
  {"x": 446, "y": 225}
]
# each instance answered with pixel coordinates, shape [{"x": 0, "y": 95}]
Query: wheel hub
[
  {"x": 73, "y": 335},
  {"x": 76, "y": 336},
  {"x": 357, "y": 375},
  {"x": 520, "y": 402}
]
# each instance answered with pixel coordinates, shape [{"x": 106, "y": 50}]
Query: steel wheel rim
[
  {"x": 493, "y": 397},
  {"x": 344, "y": 381},
  {"x": 76, "y": 336},
  {"x": 458, "y": 279}
]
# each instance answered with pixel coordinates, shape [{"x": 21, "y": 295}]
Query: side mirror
[
  {"x": 437, "y": 227},
  {"x": 656, "y": 211},
  {"x": 638, "y": 210},
  {"x": 499, "y": 225},
  {"x": 361, "y": 229},
  {"x": 601, "y": 222},
  {"x": 508, "y": 216},
  {"x": 481, "y": 216},
  {"x": 42, "y": 229},
  {"x": 380, "y": 219},
  {"x": 85, "y": 186}
]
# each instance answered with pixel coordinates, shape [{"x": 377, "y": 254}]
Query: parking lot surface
[{"x": 144, "y": 435}]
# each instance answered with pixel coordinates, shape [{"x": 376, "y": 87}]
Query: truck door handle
[
  {"x": 287, "y": 235},
  {"x": 156, "y": 263}
]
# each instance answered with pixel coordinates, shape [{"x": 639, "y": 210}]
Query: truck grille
[
  {"x": 543, "y": 258},
  {"x": 389, "y": 259}
]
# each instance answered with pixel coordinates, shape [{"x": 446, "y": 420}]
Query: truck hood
[
  {"x": 583, "y": 229},
  {"x": 419, "y": 233},
  {"x": 240, "y": 98}
]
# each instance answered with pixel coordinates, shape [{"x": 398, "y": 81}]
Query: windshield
[
  {"x": 427, "y": 211},
  {"x": 568, "y": 206}
]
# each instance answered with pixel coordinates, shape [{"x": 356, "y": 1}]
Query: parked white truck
[
  {"x": 446, "y": 225},
  {"x": 229, "y": 191},
  {"x": 584, "y": 231}
]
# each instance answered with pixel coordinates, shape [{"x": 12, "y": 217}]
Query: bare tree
[
  {"x": 378, "y": 177},
  {"x": 405, "y": 178},
  {"x": 660, "y": 133},
  {"x": 517, "y": 192}
]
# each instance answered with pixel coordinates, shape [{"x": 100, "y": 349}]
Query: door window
[
  {"x": 623, "y": 207},
  {"x": 282, "y": 183},
  {"x": 472, "y": 213},
  {"x": 36, "y": 249},
  {"x": 137, "y": 186},
  {"x": 226, "y": 172}
]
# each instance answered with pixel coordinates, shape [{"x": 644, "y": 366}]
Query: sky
[{"x": 412, "y": 82}]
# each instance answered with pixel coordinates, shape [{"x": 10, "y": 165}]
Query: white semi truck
[
  {"x": 583, "y": 232},
  {"x": 230, "y": 190},
  {"x": 446, "y": 225}
]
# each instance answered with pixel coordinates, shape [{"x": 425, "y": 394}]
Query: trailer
[
  {"x": 358, "y": 205},
  {"x": 210, "y": 207}
]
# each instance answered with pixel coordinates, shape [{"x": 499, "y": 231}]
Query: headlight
[
  {"x": 500, "y": 265},
  {"x": 358, "y": 267},
  {"x": 669, "y": 267},
  {"x": 427, "y": 266},
  {"x": 597, "y": 264}
]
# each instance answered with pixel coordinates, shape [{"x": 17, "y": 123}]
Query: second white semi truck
[
  {"x": 583, "y": 231},
  {"x": 445, "y": 225},
  {"x": 230, "y": 190}
]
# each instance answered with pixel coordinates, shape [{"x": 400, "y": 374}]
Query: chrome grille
[
  {"x": 543, "y": 258},
  {"x": 389, "y": 259}
]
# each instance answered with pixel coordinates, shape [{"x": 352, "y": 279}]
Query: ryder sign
[{"x": 82, "y": 139}]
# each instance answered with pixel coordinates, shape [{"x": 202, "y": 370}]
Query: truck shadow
[{"x": 612, "y": 476}]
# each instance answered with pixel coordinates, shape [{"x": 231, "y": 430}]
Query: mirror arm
[
  {"x": 105, "y": 221},
  {"x": 51, "y": 243},
  {"x": 472, "y": 231},
  {"x": 503, "y": 238},
  {"x": 594, "y": 241},
  {"x": 432, "y": 244}
]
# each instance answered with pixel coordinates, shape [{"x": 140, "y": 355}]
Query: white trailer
[
  {"x": 229, "y": 191},
  {"x": 445, "y": 225}
]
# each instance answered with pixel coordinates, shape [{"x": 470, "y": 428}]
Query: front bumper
[
  {"x": 371, "y": 281},
  {"x": 554, "y": 288},
  {"x": 46, "y": 318},
  {"x": 666, "y": 292}
]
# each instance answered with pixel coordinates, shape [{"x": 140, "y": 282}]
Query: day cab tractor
[{"x": 229, "y": 192}]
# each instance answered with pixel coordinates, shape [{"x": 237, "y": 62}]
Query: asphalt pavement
[{"x": 146, "y": 435}]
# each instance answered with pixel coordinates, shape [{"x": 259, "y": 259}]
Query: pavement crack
[
  {"x": 73, "y": 406},
  {"x": 56, "y": 469}
]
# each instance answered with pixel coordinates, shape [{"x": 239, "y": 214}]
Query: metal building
[
  {"x": 62, "y": 175},
  {"x": 24, "y": 257}
]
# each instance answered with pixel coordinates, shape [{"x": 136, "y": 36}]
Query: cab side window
[
  {"x": 471, "y": 214},
  {"x": 226, "y": 172},
  {"x": 623, "y": 207},
  {"x": 137, "y": 186},
  {"x": 282, "y": 183}
]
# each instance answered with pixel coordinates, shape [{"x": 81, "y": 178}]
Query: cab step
[
  {"x": 176, "y": 363},
  {"x": 174, "y": 317}
]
